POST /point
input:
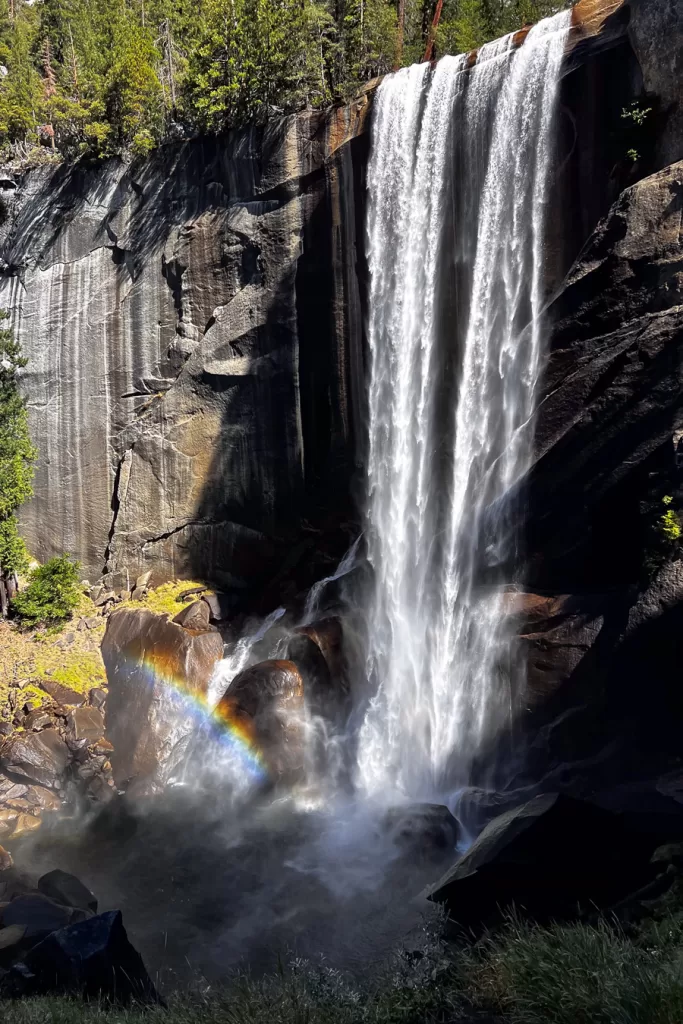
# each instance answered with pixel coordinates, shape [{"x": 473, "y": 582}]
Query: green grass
[
  {"x": 578, "y": 974},
  {"x": 524, "y": 974}
]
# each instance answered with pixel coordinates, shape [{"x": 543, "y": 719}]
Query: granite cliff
[{"x": 194, "y": 322}]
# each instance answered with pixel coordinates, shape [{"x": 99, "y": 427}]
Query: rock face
[
  {"x": 193, "y": 322},
  {"x": 193, "y": 327},
  {"x": 612, "y": 408},
  {"x": 608, "y": 448},
  {"x": 157, "y": 671}
]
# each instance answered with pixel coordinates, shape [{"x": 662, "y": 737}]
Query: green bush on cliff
[
  {"x": 17, "y": 454},
  {"x": 53, "y": 592}
]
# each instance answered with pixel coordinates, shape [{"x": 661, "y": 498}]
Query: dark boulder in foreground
[
  {"x": 93, "y": 958},
  {"x": 552, "y": 857},
  {"x": 68, "y": 890},
  {"x": 39, "y": 915}
]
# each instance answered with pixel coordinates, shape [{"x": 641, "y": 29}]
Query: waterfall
[{"x": 451, "y": 397}]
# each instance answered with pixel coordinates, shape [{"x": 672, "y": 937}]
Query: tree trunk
[
  {"x": 429, "y": 52},
  {"x": 398, "y": 60}
]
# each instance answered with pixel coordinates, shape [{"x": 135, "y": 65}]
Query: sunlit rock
[
  {"x": 264, "y": 710},
  {"x": 158, "y": 675}
]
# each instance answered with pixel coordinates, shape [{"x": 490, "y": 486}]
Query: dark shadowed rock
[
  {"x": 94, "y": 959},
  {"x": 62, "y": 694},
  {"x": 10, "y": 937},
  {"x": 67, "y": 889},
  {"x": 195, "y": 616},
  {"x": 97, "y": 698},
  {"x": 39, "y": 915},
  {"x": 40, "y": 756},
  {"x": 551, "y": 856},
  {"x": 422, "y": 829},
  {"x": 267, "y": 701},
  {"x": 152, "y": 665}
]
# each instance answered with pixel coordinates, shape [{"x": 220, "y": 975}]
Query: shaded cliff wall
[{"x": 193, "y": 325}]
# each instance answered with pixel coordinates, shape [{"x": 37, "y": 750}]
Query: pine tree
[{"x": 17, "y": 457}]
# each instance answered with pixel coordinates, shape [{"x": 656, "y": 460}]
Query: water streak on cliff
[{"x": 441, "y": 481}]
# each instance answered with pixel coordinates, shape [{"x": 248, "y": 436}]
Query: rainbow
[{"x": 224, "y": 723}]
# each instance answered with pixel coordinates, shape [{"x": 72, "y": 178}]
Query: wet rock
[
  {"x": 37, "y": 720},
  {"x": 221, "y": 606},
  {"x": 195, "y": 616},
  {"x": 62, "y": 694},
  {"x": 43, "y": 798},
  {"x": 101, "y": 789},
  {"x": 11, "y": 936},
  {"x": 85, "y": 724},
  {"x": 39, "y": 915},
  {"x": 267, "y": 701},
  {"x": 422, "y": 828},
  {"x": 94, "y": 959},
  {"x": 40, "y": 756},
  {"x": 8, "y": 820},
  {"x": 97, "y": 698},
  {"x": 151, "y": 662},
  {"x": 316, "y": 650},
  {"x": 67, "y": 889},
  {"x": 15, "y": 791},
  {"x": 25, "y": 824},
  {"x": 550, "y": 856}
]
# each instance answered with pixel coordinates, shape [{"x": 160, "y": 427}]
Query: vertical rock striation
[{"x": 193, "y": 325}]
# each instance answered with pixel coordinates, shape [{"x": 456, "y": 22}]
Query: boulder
[
  {"x": 40, "y": 756},
  {"x": 551, "y": 856},
  {"x": 26, "y": 823},
  {"x": 85, "y": 724},
  {"x": 422, "y": 829},
  {"x": 37, "y": 720},
  {"x": 10, "y": 937},
  {"x": 97, "y": 698},
  {"x": 266, "y": 702},
  {"x": 39, "y": 915},
  {"x": 195, "y": 616},
  {"x": 62, "y": 694},
  {"x": 68, "y": 890},
  {"x": 156, "y": 670},
  {"x": 94, "y": 959}
]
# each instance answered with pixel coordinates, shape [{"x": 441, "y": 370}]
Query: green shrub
[{"x": 52, "y": 593}]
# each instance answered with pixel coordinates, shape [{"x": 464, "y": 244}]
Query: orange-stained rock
[
  {"x": 155, "y": 669},
  {"x": 589, "y": 16},
  {"x": 266, "y": 703}
]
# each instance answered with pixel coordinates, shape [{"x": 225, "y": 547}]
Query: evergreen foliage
[
  {"x": 51, "y": 595},
  {"x": 17, "y": 455},
  {"x": 97, "y": 77}
]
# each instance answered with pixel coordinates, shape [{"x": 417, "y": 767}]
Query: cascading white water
[{"x": 439, "y": 528}]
